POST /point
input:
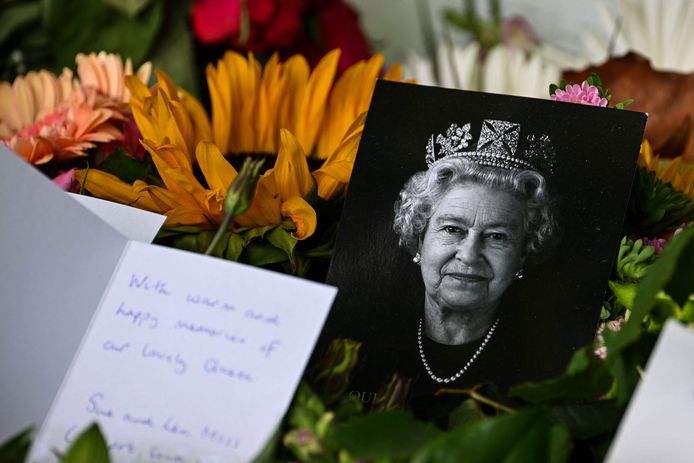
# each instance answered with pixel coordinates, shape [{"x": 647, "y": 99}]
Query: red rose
[
  {"x": 287, "y": 25},
  {"x": 215, "y": 21},
  {"x": 261, "y": 11},
  {"x": 275, "y": 24},
  {"x": 339, "y": 28}
]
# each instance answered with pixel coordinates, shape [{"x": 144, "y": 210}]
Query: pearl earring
[
  {"x": 417, "y": 258},
  {"x": 519, "y": 274}
]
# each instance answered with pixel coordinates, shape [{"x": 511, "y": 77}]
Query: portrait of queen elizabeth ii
[
  {"x": 471, "y": 221},
  {"x": 477, "y": 236}
]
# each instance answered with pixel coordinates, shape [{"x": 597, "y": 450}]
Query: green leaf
[
  {"x": 257, "y": 233},
  {"x": 552, "y": 88},
  {"x": 129, "y": 8},
  {"x": 82, "y": 27},
  {"x": 629, "y": 348},
  {"x": 624, "y": 104},
  {"x": 627, "y": 362},
  {"x": 681, "y": 283},
  {"x": 604, "y": 312},
  {"x": 392, "y": 434},
  {"x": 672, "y": 272},
  {"x": 16, "y": 448},
  {"x": 624, "y": 292},
  {"x": 526, "y": 436},
  {"x": 16, "y": 16},
  {"x": 89, "y": 447},
  {"x": 467, "y": 412},
  {"x": 594, "y": 79},
  {"x": 655, "y": 206},
  {"x": 634, "y": 259},
  {"x": 463, "y": 21},
  {"x": 586, "y": 377},
  {"x": 234, "y": 246},
  {"x": 283, "y": 239},
  {"x": 229, "y": 247},
  {"x": 174, "y": 48},
  {"x": 263, "y": 253},
  {"x": 586, "y": 420},
  {"x": 125, "y": 167}
]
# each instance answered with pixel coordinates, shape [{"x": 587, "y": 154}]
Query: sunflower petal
[
  {"x": 265, "y": 209},
  {"x": 217, "y": 170},
  {"x": 107, "y": 186},
  {"x": 336, "y": 171},
  {"x": 315, "y": 98},
  {"x": 302, "y": 214},
  {"x": 291, "y": 169}
]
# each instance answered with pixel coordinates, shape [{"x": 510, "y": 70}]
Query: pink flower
[
  {"x": 582, "y": 94},
  {"x": 614, "y": 325},
  {"x": 601, "y": 352},
  {"x": 657, "y": 243},
  {"x": 67, "y": 181}
]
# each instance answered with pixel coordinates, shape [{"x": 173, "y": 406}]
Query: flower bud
[
  {"x": 331, "y": 374},
  {"x": 242, "y": 190},
  {"x": 393, "y": 395}
]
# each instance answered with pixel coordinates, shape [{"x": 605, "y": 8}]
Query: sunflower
[
  {"x": 673, "y": 171},
  {"x": 283, "y": 109}
]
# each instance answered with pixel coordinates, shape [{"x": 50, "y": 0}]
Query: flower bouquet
[{"x": 108, "y": 133}]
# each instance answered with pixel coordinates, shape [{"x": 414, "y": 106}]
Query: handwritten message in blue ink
[{"x": 188, "y": 359}]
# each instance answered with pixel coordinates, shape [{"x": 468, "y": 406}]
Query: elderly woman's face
[{"x": 472, "y": 248}]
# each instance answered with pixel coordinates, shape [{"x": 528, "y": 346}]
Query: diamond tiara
[{"x": 497, "y": 146}]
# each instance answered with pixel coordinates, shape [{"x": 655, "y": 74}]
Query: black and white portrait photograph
[{"x": 477, "y": 235}]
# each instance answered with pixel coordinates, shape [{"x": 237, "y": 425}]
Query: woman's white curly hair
[{"x": 423, "y": 190}]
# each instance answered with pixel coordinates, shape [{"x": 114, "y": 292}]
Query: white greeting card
[
  {"x": 177, "y": 356},
  {"x": 659, "y": 422},
  {"x": 135, "y": 224}
]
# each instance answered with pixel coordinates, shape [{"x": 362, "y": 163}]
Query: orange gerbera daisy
[
  {"x": 105, "y": 73},
  {"x": 44, "y": 117}
]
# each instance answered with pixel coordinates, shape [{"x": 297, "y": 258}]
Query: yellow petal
[
  {"x": 336, "y": 171},
  {"x": 198, "y": 116},
  {"x": 144, "y": 123},
  {"x": 668, "y": 175},
  {"x": 291, "y": 169},
  {"x": 302, "y": 214},
  {"x": 166, "y": 84},
  {"x": 138, "y": 90},
  {"x": 265, "y": 209},
  {"x": 646, "y": 155},
  {"x": 394, "y": 73},
  {"x": 315, "y": 98},
  {"x": 167, "y": 156},
  {"x": 297, "y": 70},
  {"x": 106, "y": 186},
  {"x": 166, "y": 122},
  {"x": 220, "y": 98},
  {"x": 217, "y": 170}
]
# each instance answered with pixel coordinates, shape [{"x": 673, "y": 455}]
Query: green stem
[
  {"x": 220, "y": 232},
  {"x": 493, "y": 403},
  {"x": 472, "y": 392},
  {"x": 84, "y": 180}
]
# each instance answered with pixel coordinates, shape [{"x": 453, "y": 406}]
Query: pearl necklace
[{"x": 454, "y": 377}]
